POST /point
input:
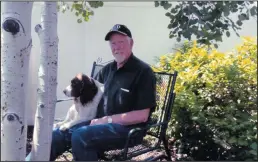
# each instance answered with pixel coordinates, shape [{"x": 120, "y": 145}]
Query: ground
[{"x": 68, "y": 156}]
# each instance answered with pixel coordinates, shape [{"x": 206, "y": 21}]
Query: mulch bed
[{"x": 68, "y": 156}]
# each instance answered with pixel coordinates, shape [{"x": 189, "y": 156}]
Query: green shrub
[{"x": 215, "y": 110}]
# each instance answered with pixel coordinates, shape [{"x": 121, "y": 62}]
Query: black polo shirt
[{"x": 131, "y": 87}]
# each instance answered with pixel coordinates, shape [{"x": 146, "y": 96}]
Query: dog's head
[{"x": 81, "y": 86}]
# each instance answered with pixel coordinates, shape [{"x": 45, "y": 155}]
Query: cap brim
[{"x": 112, "y": 32}]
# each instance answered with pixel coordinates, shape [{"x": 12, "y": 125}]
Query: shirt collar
[{"x": 128, "y": 64}]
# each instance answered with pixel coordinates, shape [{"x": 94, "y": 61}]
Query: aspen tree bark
[
  {"x": 44, "y": 117},
  {"x": 16, "y": 46}
]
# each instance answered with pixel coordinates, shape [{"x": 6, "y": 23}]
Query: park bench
[{"x": 156, "y": 138}]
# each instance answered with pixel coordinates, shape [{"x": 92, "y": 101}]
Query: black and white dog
[{"x": 87, "y": 94}]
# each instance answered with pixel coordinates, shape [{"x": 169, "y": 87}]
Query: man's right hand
[{"x": 103, "y": 120}]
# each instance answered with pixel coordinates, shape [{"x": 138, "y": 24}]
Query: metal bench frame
[{"x": 159, "y": 124}]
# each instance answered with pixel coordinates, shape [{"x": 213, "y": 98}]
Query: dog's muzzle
[{"x": 67, "y": 91}]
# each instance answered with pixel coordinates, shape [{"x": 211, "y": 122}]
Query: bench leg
[{"x": 165, "y": 142}]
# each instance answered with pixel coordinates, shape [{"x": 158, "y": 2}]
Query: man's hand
[
  {"x": 129, "y": 118},
  {"x": 98, "y": 121}
]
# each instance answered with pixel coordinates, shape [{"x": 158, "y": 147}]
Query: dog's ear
[{"x": 89, "y": 90}]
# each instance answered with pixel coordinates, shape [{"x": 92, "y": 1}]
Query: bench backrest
[
  {"x": 95, "y": 69},
  {"x": 165, "y": 96}
]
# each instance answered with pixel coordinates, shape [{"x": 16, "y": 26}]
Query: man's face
[{"x": 121, "y": 47}]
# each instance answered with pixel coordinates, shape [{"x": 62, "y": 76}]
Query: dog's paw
[
  {"x": 57, "y": 125},
  {"x": 64, "y": 127}
]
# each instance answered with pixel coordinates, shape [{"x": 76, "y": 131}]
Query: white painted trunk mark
[
  {"x": 15, "y": 51},
  {"x": 44, "y": 117}
]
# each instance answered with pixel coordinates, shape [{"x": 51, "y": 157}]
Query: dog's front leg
[
  {"x": 67, "y": 118},
  {"x": 57, "y": 125}
]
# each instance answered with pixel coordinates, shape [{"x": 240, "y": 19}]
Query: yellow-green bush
[{"x": 217, "y": 96}]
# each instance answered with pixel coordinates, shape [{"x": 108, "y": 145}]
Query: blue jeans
[{"x": 87, "y": 141}]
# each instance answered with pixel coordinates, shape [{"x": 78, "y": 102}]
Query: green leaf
[
  {"x": 228, "y": 34},
  {"x": 187, "y": 34},
  {"x": 195, "y": 118},
  {"x": 218, "y": 38},
  {"x": 253, "y": 152},
  {"x": 206, "y": 27},
  {"x": 58, "y": 7},
  {"x": 218, "y": 23},
  {"x": 239, "y": 23},
  {"x": 156, "y": 4},
  {"x": 242, "y": 142},
  {"x": 254, "y": 116},
  {"x": 101, "y": 4},
  {"x": 79, "y": 20},
  {"x": 172, "y": 36},
  {"x": 254, "y": 146},
  {"x": 253, "y": 11},
  {"x": 95, "y": 4},
  {"x": 192, "y": 21},
  {"x": 77, "y": 6},
  {"x": 226, "y": 11},
  {"x": 168, "y": 14},
  {"x": 201, "y": 22},
  {"x": 242, "y": 17},
  {"x": 175, "y": 24},
  {"x": 166, "y": 5},
  {"x": 86, "y": 18},
  {"x": 170, "y": 26},
  {"x": 85, "y": 13},
  {"x": 173, "y": 10},
  {"x": 216, "y": 45},
  {"x": 201, "y": 33},
  {"x": 178, "y": 39},
  {"x": 234, "y": 10},
  {"x": 232, "y": 140},
  {"x": 91, "y": 13}
]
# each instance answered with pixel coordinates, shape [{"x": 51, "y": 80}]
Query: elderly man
[{"x": 128, "y": 101}]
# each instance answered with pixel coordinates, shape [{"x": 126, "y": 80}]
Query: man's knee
[
  {"x": 58, "y": 136},
  {"x": 59, "y": 144},
  {"x": 80, "y": 135},
  {"x": 86, "y": 136}
]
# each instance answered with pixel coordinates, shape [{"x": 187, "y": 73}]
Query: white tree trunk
[
  {"x": 44, "y": 117},
  {"x": 15, "y": 51}
]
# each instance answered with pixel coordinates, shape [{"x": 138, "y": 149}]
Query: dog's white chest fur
[{"x": 78, "y": 113}]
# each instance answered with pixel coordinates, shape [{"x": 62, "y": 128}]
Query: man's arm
[{"x": 129, "y": 118}]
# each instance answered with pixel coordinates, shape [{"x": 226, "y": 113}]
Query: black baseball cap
[{"x": 119, "y": 28}]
